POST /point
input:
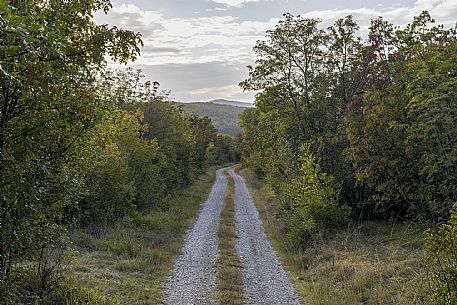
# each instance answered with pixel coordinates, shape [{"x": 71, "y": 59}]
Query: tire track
[
  {"x": 265, "y": 281},
  {"x": 193, "y": 278}
]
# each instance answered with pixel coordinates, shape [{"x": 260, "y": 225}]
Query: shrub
[
  {"x": 441, "y": 262},
  {"x": 110, "y": 193},
  {"x": 311, "y": 203}
]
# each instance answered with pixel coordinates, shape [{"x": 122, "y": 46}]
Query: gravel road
[
  {"x": 193, "y": 279},
  {"x": 265, "y": 281}
]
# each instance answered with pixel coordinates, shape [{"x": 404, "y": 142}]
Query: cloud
[
  {"x": 444, "y": 11},
  {"x": 159, "y": 50},
  {"x": 235, "y": 3},
  {"x": 201, "y": 55},
  {"x": 189, "y": 40},
  {"x": 199, "y": 81}
]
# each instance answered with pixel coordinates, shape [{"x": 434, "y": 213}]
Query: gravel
[
  {"x": 193, "y": 279},
  {"x": 265, "y": 281}
]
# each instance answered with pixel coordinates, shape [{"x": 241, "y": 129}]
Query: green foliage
[
  {"x": 441, "y": 263},
  {"x": 49, "y": 54},
  {"x": 305, "y": 75},
  {"x": 378, "y": 119},
  {"x": 225, "y": 150},
  {"x": 167, "y": 124},
  {"x": 311, "y": 203},
  {"x": 204, "y": 134},
  {"x": 80, "y": 145},
  {"x": 384, "y": 171},
  {"x": 378, "y": 114},
  {"x": 432, "y": 130},
  {"x": 110, "y": 191}
]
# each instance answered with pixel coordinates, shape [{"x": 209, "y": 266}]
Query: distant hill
[
  {"x": 225, "y": 117},
  {"x": 231, "y": 103}
]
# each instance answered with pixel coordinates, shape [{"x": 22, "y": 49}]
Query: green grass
[
  {"x": 229, "y": 290},
  {"x": 366, "y": 263},
  {"x": 130, "y": 261}
]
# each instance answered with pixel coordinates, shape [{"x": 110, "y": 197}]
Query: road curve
[
  {"x": 193, "y": 279},
  {"x": 265, "y": 281}
]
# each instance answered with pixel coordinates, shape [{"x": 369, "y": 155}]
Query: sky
[{"x": 199, "y": 49}]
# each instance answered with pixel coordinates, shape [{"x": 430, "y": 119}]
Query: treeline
[
  {"x": 367, "y": 128},
  {"x": 81, "y": 145}
]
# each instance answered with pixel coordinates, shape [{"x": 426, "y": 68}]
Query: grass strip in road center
[{"x": 229, "y": 289}]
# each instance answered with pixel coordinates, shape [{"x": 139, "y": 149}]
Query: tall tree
[{"x": 49, "y": 54}]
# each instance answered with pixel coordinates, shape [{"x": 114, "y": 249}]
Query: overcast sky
[{"x": 199, "y": 49}]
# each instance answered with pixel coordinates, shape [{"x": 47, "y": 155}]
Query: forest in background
[
  {"x": 357, "y": 129},
  {"x": 81, "y": 145}
]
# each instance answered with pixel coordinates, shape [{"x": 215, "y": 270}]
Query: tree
[
  {"x": 204, "y": 134},
  {"x": 432, "y": 114},
  {"x": 401, "y": 129},
  {"x": 49, "y": 54},
  {"x": 307, "y": 81}
]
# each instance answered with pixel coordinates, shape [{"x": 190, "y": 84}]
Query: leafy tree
[
  {"x": 168, "y": 125},
  {"x": 432, "y": 132},
  {"x": 225, "y": 150},
  {"x": 306, "y": 76},
  {"x": 204, "y": 134},
  {"x": 385, "y": 126},
  {"x": 49, "y": 52},
  {"x": 110, "y": 195}
]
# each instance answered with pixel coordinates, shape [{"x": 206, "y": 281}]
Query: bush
[
  {"x": 441, "y": 262},
  {"x": 310, "y": 202},
  {"x": 110, "y": 193}
]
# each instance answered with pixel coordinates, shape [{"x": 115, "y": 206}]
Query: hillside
[
  {"x": 224, "y": 117},
  {"x": 231, "y": 103}
]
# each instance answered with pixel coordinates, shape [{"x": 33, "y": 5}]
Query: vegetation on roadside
[
  {"x": 230, "y": 288},
  {"x": 84, "y": 147},
  {"x": 130, "y": 261},
  {"x": 345, "y": 126},
  {"x": 440, "y": 263},
  {"x": 369, "y": 262}
]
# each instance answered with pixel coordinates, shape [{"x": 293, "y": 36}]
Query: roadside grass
[
  {"x": 129, "y": 262},
  {"x": 229, "y": 290},
  {"x": 367, "y": 263}
]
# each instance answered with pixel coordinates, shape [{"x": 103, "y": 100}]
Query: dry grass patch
[
  {"x": 367, "y": 263},
  {"x": 229, "y": 289}
]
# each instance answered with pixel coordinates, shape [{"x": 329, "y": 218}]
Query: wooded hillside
[{"x": 225, "y": 118}]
